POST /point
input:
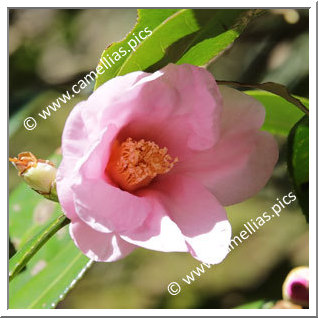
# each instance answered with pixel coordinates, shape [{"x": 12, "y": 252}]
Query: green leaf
[
  {"x": 281, "y": 115},
  {"x": 223, "y": 28},
  {"x": 147, "y": 18},
  {"x": 179, "y": 36},
  {"x": 21, "y": 258},
  {"x": 298, "y": 162},
  {"x": 48, "y": 275},
  {"x": 50, "y": 285}
]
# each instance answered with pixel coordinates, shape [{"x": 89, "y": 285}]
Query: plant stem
[{"x": 23, "y": 256}]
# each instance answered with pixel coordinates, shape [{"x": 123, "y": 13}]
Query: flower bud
[
  {"x": 296, "y": 286},
  {"x": 37, "y": 173}
]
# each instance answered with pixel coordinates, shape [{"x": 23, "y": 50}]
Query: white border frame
[{"x": 173, "y": 312}]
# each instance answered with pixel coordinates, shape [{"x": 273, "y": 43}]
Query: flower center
[{"x": 134, "y": 164}]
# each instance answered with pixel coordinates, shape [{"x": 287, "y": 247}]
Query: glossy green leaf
[
  {"x": 298, "y": 162},
  {"x": 48, "y": 275},
  {"x": 281, "y": 115},
  {"x": 179, "y": 36}
]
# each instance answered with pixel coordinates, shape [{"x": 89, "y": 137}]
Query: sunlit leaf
[
  {"x": 147, "y": 18},
  {"x": 177, "y": 36},
  {"x": 281, "y": 115},
  {"x": 44, "y": 289}
]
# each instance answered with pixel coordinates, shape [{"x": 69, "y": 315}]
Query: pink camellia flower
[{"x": 149, "y": 160}]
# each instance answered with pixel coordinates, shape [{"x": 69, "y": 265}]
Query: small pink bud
[
  {"x": 37, "y": 173},
  {"x": 296, "y": 286}
]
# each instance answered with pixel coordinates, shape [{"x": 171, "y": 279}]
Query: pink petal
[
  {"x": 200, "y": 217},
  {"x": 238, "y": 167},
  {"x": 243, "y": 160},
  {"x": 185, "y": 94},
  {"x": 199, "y": 96},
  {"x": 158, "y": 232},
  {"x": 98, "y": 202},
  {"x": 241, "y": 112},
  {"x": 107, "y": 208},
  {"x": 74, "y": 142},
  {"x": 98, "y": 246}
]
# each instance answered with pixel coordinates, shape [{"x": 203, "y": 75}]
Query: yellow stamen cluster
[{"x": 134, "y": 164}]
